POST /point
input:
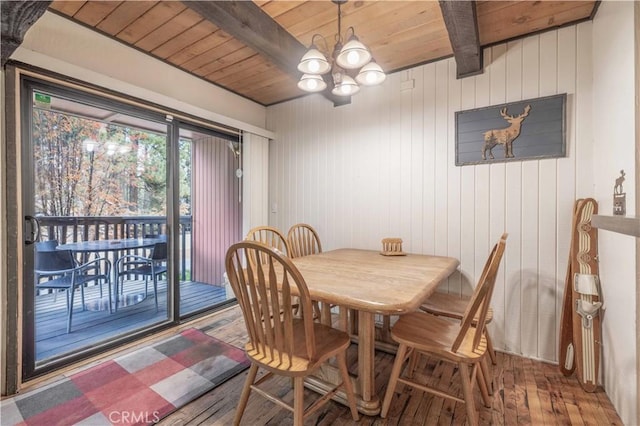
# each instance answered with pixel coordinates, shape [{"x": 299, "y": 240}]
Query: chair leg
[
  {"x": 492, "y": 352},
  {"x": 413, "y": 363},
  {"x": 353, "y": 322},
  {"x": 155, "y": 290},
  {"x": 348, "y": 387},
  {"x": 116, "y": 295},
  {"x": 298, "y": 401},
  {"x": 325, "y": 316},
  {"x": 385, "y": 332},
  {"x": 393, "y": 379},
  {"x": 244, "y": 396},
  {"x": 82, "y": 296},
  {"x": 110, "y": 298},
  {"x": 465, "y": 378},
  {"x": 487, "y": 375},
  {"x": 70, "y": 292},
  {"x": 343, "y": 319},
  {"x": 482, "y": 384}
]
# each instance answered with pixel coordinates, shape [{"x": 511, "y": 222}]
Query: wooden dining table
[{"x": 369, "y": 283}]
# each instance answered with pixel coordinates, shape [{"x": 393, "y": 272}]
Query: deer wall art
[
  {"x": 504, "y": 136},
  {"x": 535, "y": 126}
]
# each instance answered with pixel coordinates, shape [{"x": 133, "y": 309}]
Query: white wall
[
  {"x": 255, "y": 180},
  {"x": 57, "y": 44},
  {"x": 614, "y": 147},
  {"x": 384, "y": 166}
]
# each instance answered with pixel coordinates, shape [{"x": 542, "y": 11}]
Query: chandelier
[{"x": 344, "y": 60}]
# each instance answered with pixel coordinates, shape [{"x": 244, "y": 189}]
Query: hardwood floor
[{"x": 526, "y": 392}]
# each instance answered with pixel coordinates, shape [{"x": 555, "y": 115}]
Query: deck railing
[{"x": 68, "y": 229}]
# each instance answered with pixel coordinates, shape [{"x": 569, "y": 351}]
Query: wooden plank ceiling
[{"x": 400, "y": 34}]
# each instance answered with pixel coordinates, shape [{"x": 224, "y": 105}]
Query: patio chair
[
  {"x": 280, "y": 342},
  {"x": 460, "y": 342},
  {"x": 152, "y": 266},
  {"x": 49, "y": 245},
  {"x": 64, "y": 273}
]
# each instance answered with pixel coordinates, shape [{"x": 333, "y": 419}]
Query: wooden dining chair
[
  {"x": 453, "y": 306},
  {"x": 303, "y": 240},
  {"x": 269, "y": 236},
  {"x": 280, "y": 342},
  {"x": 460, "y": 342}
]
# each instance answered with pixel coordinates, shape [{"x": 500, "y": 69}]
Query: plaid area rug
[{"x": 137, "y": 388}]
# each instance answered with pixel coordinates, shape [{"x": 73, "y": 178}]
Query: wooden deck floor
[
  {"x": 92, "y": 326},
  {"x": 527, "y": 392}
]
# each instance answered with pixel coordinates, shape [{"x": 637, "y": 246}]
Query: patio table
[
  {"x": 369, "y": 283},
  {"x": 115, "y": 246}
]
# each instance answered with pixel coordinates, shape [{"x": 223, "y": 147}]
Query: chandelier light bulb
[
  {"x": 371, "y": 77},
  {"x": 314, "y": 66},
  {"x": 346, "y": 87},
  {"x": 314, "y": 62},
  {"x": 371, "y": 74},
  {"x": 312, "y": 83},
  {"x": 353, "y": 55}
]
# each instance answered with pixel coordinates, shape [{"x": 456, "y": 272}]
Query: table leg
[
  {"x": 366, "y": 355},
  {"x": 328, "y": 375}
]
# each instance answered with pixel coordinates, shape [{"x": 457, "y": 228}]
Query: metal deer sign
[
  {"x": 504, "y": 136},
  {"x": 528, "y": 129}
]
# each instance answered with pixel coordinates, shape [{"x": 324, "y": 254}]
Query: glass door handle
[{"x": 34, "y": 229}]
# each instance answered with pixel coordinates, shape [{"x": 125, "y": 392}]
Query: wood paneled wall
[
  {"x": 216, "y": 208},
  {"x": 383, "y": 166},
  {"x": 255, "y": 181}
]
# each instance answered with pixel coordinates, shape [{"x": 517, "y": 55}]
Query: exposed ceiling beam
[
  {"x": 17, "y": 18},
  {"x": 461, "y": 21},
  {"x": 245, "y": 21}
]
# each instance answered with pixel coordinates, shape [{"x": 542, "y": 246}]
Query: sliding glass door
[
  {"x": 95, "y": 197},
  {"x": 127, "y": 217}
]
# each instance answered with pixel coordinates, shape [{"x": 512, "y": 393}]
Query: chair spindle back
[
  {"x": 264, "y": 291},
  {"x": 269, "y": 236},
  {"x": 476, "y": 313},
  {"x": 303, "y": 240}
]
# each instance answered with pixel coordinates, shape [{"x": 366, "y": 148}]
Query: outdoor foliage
[{"x": 90, "y": 168}]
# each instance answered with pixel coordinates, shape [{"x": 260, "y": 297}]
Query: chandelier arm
[
  {"x": 324, "y": 40},
  {"x": 353, "y": 32}
]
